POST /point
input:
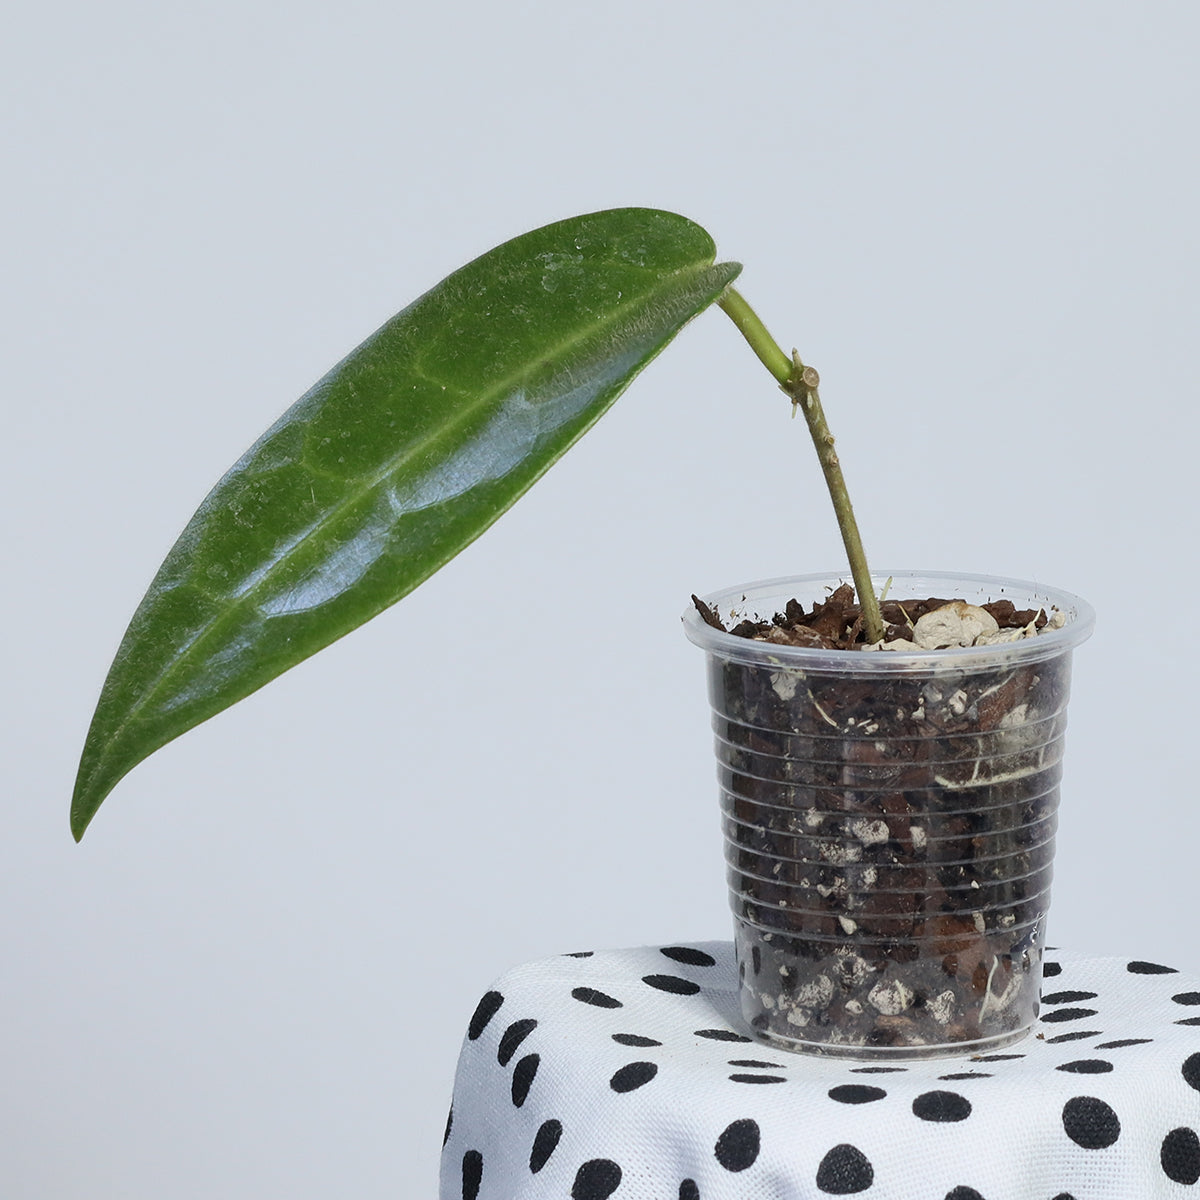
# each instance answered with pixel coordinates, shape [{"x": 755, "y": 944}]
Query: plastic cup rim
[{"x": 1080, "y": 622}]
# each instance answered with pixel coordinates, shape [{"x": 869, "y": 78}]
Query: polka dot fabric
[{"x": 627, "y": 1073}]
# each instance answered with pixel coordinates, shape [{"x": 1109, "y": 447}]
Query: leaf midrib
[{"x": 369, "y": 482}]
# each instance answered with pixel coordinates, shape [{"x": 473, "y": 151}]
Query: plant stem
[
  {"x": 755, "y": 332},
  {"x": 800, "y": 383}
]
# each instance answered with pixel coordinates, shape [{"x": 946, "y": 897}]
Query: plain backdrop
[{"x": 979, "y": 222}]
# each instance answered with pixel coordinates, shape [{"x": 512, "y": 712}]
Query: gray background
[{"x": 979, "y": 223}]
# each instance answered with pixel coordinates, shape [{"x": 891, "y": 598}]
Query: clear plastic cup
[{"x": 889, "y": 822}]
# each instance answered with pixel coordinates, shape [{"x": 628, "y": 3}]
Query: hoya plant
[{"x": 404, "y": 453}]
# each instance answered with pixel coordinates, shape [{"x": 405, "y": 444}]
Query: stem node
[{"x": 800, "y": 382}]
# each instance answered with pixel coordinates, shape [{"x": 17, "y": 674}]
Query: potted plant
[
  {"x": 421, "y": 437},
  {"x": 890, "y": 815}
]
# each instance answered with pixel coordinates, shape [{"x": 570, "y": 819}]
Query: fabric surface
[{"x": 629, "y": 1073}]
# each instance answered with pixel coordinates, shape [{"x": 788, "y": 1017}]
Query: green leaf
[{"x": 392, "y": 463}]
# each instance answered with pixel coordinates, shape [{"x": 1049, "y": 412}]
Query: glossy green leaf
[{"x": 402, "y": 455}]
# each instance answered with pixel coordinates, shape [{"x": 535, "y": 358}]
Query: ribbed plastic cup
[{"x": 889, "y": 822}]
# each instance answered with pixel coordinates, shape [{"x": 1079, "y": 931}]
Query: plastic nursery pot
[{"x": 889, "y": 822}]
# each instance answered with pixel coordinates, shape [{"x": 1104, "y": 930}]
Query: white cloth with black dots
[{"x": 629, "y": 1073}]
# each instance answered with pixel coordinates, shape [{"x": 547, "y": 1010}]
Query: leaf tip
[
  {"x": 81, "y": 818},
  {"x": 85, "y": 801}
]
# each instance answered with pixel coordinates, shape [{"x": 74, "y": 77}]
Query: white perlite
[
  {"x": 817, "y": 993},
  {"x": 891, "y": 999},
  {"x": 1015, "y": 716},
  {"x": 852, "y": 968},
  {"x": 1054, "y": 620},
  {"x": 840, "y": 855},
  {"x": 942, "y": 1007},
  {"x": 784, "y": 684},
  {"x": 961, "y": 624},
  {"x": 1002, "y": 636},
  {"x": 955, "y": 624},
  {"x": 870, "y": 833}
]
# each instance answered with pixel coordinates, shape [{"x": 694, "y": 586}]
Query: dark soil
[{"x": 889, "y": 836}]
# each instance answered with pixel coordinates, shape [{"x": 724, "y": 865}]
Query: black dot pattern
[
  {"x": 941, "y": 1106},
  {"x": 545, "y": 1142},
  {"x": 587, "y": 995},
  {"x": 634, "y": 1039},
  {"x": 513, "y": 1036},
  {"x": 738, "y": 1145},
  {"x": 722, "y": 1035},
  {"x": 1191, "y": 1070},
  {"x": 844, "y": 1171},
  {"x": 689, "y": 955},
  {"x": 522, "y": 1080},
  {"x": 1180, "y": 1156},
  {"x": 855, "y": 1093},
  {"x": 597, "y": 1179},
  {"x": 1068, "y": 997},
  {"x": 672, "y": 983},
  {"x": 633, "y": 1076},
  {"x": 472, "y": 1174},
  {"x": 1090, "y": 1123},
  {"x": 522, "y": 1043},
  {"x": 485, "y": 1010},
  {"x": 1067, "y": 1014}
]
